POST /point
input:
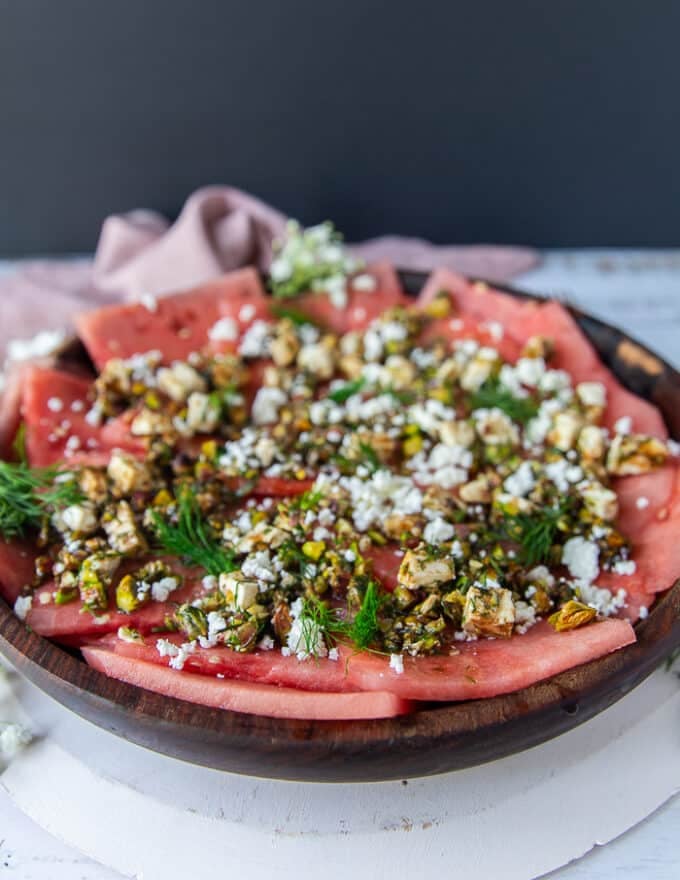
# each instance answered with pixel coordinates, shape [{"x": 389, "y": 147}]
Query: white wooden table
[{"x": 638, "y": 291}]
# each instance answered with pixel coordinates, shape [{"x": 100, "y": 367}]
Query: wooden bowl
[{"x": 433, "y": 740}]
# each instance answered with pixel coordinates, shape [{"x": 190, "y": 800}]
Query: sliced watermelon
[
  {"x": 247, "y": 697},
  {"x": 17, "y": 567},
  {"x": 490, "y": 667},
  {"x": 362, "y": 305},
  {"x": 575, "y": 354},
  {"x": 54, "y": 408},
  {"x": 477, "y": 300},
  {"x": 467, "y": 327},
  {"x": 265, "y": 667},
  {"x": 179, "y": 323},
  {"x": 386, "y": 561},
  {"x": 72, "y": 620}
]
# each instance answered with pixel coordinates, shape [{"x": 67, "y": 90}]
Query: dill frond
[
  {"x": 344, "y": 392},
  {"x": 493, "y": 396},
  {"x": 534, "y": 532},
  {"x": 189, "y": 538},
  {"x": 29, "y": 495}
]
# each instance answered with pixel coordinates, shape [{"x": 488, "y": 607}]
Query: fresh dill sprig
[
  {"x": 364, "y": 629},
  {"x": 308, "y": 500},
  {"x": 534, "y": 532},
  {"x": 492, "y": 395},
  {"x": 370, "y": 456},
  {"x": 344, "y": 392},
  {"x": 29, "y": 495},
  {"x": 189, "y": 539},
  {"x": 296, "y": 316}
]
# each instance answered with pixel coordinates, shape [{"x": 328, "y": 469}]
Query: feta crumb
[
  {"x": 397, "y": 663},
  {"x": 591, "y": 393},
  {"x": 643, "y": 612},
  {"x": 581, "y": 558},
  {"x": 333, "y": 654},
  {"x": 624, "y": 567},
  {"x": 364, "y": 282},
  {"x": 149, "y": 301},
  {"x": 22, "y": 606},
  {"x": 266, "y": 643},
  {"x": 160, "y": 591},
  {"x": 521, "y": 482},
  {"x": 55, "y": 404},
  {"x": 41, "y": 345},
  {"x": 267, "y": 403},
  {"x": 438, "y": 531},
  {"x": 624, "y": 425},
  {"x": 13, "y": 737},
  {"x": 226, "y": 329},
  {"x": 642, "y": 502},
  {"x": 246, "y": 313}
]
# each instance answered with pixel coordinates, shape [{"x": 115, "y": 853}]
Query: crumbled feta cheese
[
  {"x": 246, "y": 313},
  {"x": 13, "y": 737},
  {"x": 365, "y": 283},
  {"x": 581, "y": 558},
  {"x": 55, "y": 404},
  {"x": 642, "y": 502},
  {"x": 624, "y": 567},
  {"x": 603, "y": 601},
  {"x": 267, "y": 403},
  {"x": 643, "y": 612},
  {"x": 226, "y": 329},
  {"x": 149, "y": 301},
  {"x": 397, "y": 663},
  {"x": 522, "y": 481},
  {"x": 255, "y": 341},
  {"x": 530, "y": 370},
  {"x": 592, "y": 393},
  {"x": 438, "y": 531},
  {"x": 160, "y": 591},
  {"x": 22, "y": 606},
  {"x": 624, "y": 425}
]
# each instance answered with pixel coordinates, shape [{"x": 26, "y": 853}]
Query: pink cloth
[{"x": 219, "y": 229}]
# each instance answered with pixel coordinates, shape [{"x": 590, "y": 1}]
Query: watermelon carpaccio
[{"x": 289, "y": 484}]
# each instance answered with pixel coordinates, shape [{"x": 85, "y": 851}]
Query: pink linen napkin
[{"x": 220, "y": 228}]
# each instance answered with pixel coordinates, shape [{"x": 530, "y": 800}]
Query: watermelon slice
[
  {"x": 362, "y": 305},
  {"x": 265, "y": 667},
  {"x": 575, "y": 354},
  {"x": 490, "y": 667},
  {"x": 467, "y": 327},
  {"x": 17, "y": 568},
  {"x": 54, "y": 407},
  {"x": 58, "y": 621},
  {"x": 178, "y": 324},
  {"x": 247, "y": 697},
  {"x": 478, "y": 301}
]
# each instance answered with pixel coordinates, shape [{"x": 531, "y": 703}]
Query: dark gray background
[{"x": 542, "y": 122}]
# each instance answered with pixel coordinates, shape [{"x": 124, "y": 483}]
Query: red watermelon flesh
[
  {"x": 575, "y": 354},
  {"x": 477, "y": 301},
  {"x": 386, "y": 561},
  {"x": 55, "y": 621},
  {"x": 48, "y": 429},
  {"x": 178, "y": 324},
  {"x": 362, "y": 305},
  {"x": 265, "y": 667},
  {"x": 239, "y": 696},
  {"x": 17, "y": 567},
  {"x": 466, "y": 327},
  {"x": 490, "y": 667}
]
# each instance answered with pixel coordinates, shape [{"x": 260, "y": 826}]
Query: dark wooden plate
[{"x": 433, "y": 740}]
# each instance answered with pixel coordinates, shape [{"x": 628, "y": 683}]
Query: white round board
[{"x": 156, "y": 818}]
